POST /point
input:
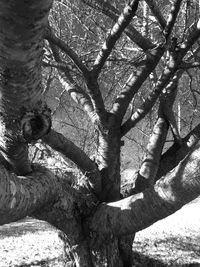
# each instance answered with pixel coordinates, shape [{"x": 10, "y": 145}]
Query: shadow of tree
[
  {"x": 141, "y": 260},
  {"x": 22, "y": 227}
]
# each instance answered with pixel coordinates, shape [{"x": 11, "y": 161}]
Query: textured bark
[
  {"x": 20, "y": 196},
  {"x": 148, "y": 170},
  {"x": 21, "y": 33},
  {"x": 122, "y": 22},
  {"x": 140, "y": 211},
  {"x": 42, "y": 195},
  {"x": 88, "y": 167},
  {"x": 109, "y": 146},
  {"x": 175, "y": 153}
]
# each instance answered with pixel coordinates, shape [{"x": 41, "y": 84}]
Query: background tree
[{"x": 119, "y": 62}]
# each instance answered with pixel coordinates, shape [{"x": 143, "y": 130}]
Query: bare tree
[{"x": 98, "y": 220}]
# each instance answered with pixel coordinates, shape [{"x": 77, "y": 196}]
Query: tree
[{"x": 99, "y": 221}]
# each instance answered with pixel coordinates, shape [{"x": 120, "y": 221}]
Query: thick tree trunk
[
  {"x": 94, "y": 233},
  {"x": 119, "y": 251},
  {"x": 21, "y": 50}
]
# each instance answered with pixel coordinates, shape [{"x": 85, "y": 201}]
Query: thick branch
[
  {"x": 176, "y": 153},
  {"x": 67, "y": 148},
  {"x": 148, "y": 170},
  {"x": 20, "y": 196},
  {"x": 140, "y": 211},
  {"x": 115, "y": 33}
]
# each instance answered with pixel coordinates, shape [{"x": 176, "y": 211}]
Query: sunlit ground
[{"x": 174, "y": 241}]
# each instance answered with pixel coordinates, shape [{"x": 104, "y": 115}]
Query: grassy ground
[{"x": 173, "y": 241}]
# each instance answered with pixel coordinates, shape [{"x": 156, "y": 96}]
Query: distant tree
[{"x": 119, "y": 62}]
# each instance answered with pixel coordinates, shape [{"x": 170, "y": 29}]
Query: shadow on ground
[{"x": 141, "y": 260}]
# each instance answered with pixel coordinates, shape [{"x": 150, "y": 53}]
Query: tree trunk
[
  {"x": 119, "y": 251},
  {"x": 21, "y": 53}
]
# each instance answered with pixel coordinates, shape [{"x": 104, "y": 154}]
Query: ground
[{"x": 173, "y": 241}]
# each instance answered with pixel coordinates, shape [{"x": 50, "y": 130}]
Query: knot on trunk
[{"x": 35, "y": 124}]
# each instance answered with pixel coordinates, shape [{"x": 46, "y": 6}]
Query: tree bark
[
  {"x": 137, "y": 212},
  {"x": 22, "y": 26}
]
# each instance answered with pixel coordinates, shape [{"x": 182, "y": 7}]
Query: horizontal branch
[
  {"x": 135, "y": 213},
  {"x": 22, "y": 195},
  {"x": 188, "y": 65}
]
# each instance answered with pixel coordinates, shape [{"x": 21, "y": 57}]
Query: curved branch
[
  {"x": 75, "y": 91},
  {"x": 51, "y": 37},
  {"x": 140, "y": 211},
  {"x": 93, "y": 104},
  {"x": 67, "y": 148},
  {"x": 22, "y": 195}
]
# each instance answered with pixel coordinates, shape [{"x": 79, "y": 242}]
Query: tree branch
[
  {"x": 140, "y": 211},
  {"x": 157, "y": 13},
  {"x": 135, "y": 82},
  {"x": 93, "y": 104},
  {"x": 67, "y": 148},
  {"x": 16, "y": 193},
  {"x": 168, "y": 72},
  {"x": 110, "y": 11},
  {"x": 115, "y": 33},
  {"x": 75, "y": 91},
  {"x": 172, "y": 18},
  {"x": 51, "y": 37},
  {"x": 176, "y": 153},
  {"x": 148, "y": 170},
  {"x": 153, "y": 57}
]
